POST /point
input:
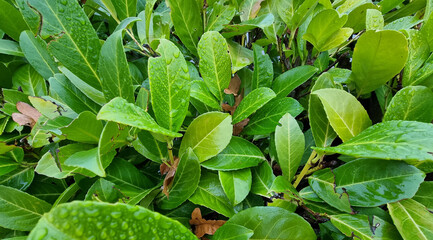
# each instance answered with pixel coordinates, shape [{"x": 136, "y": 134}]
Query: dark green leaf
[
  {"x": 104, "y": 191},
  {"x": 9, "y": 47},
  {"x": 20, "y": 178},
  {"x": 12, "y": 21},
  {"x": 149, "y": 147},
  {"x": 236, "y": 184},
  {"x": 285, "y": 83},
  {"x": 252, "y": 102},
  {"x": 263, "y": 177},
  {"x": 85, "y": 129},
  {"x": 263, "y": 71},
  {"x": 424, "y": 195},
  {"x": 219, "y": 16},
  {"x": 29, "y": 81}
]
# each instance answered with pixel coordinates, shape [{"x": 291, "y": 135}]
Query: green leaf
[
  {"x": 325, "y": 30},
  {"x": 85, "y": 128},
  {"x": 127, "y": 177},
  {"x": 210, "y": 194},
  {"x": 368, "y": 182},
  {"x": 263, "y": 177},
  {"x": 169, "y": 85},
  {"x": 266, "y": 118},
  {"x": 219, "y": 16},
  {"x": 361, "y": 227},
  {"x": 120, "y": 111},
  {"x": 238, "y": 154},
  {"x": 346, "y": 115},
  {"x": 104, "y": 191},
  {"x": 35, "y": 51},
  {"x": 9, "y": 47},
  {"x": 7, "y": 165},
  {"x": 412, "y": 219},
  {"x": 413, "y": 103},
  {"x": 58, "y": 222},
  {"x": 62, "y": 89},
  {"x": 29, "y": 81},
  {"x": 252, "y": 102},
  {"x": 12, "y": 21},
  {"x": 378, "y": 57},
  {"x": 20, "y": 210},
  {"x": 236, "y": 184},
  {"x": 149, "y": 147},
  {"x": 185, "y": 181},
  {"x": 285, "y": 83},
  {"x": 396, "y": 140},
  {"x": 424, "y": 195},
  {"x": 76, "y": 45},
  {"x": 419, "y": 52},
  {"x": 187, "y": 21},
  {"x": 207, "y": 135},
  {"x": 321, "y": 128},
  {"x": 374, "y": 20},
  {"x": 272, "y": 223},
  {"x": 233, "y": 232},
  {"x": 88, "y": 160},
  {"x": 240, "y": 56},
  {"x": 263, "y": 71},
  {"x": 214, "y": 63},
  {"x": 113, "y": 69},
  {"x": 113, "y": 136},
  {"x": 201, "y": 92},
  {"x": 239, "y": 29},
  {"x": 290, "y": 144},
  {"x": 249, "y": 9},
  {"x": 20, "y": 178},
  {"x": 124, "y": 8}
]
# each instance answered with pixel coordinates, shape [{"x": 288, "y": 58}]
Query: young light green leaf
[
  {"x": 201, "y": 92},
  {"x": 214, "y": 63},
  {"x": 346, "y": 115},
  {"x": 53, "y": 223},
  {"x": 233, "y": 232},
  {"x": 77, "y": 46},
  {"x": 290, "y": 144},
  {"x": 412, "y": 219},
  {"x": 207, "y": 135},
  {"x": 396, "y": 140},
  {"x": 120, "y": 111},
  {"x": 113, "y": 69},
  {"x": 419, "y": 52},
  {"x": 252, "y": 102},
  {"x": 169, "y": 85},
  {"x": 378, "y": 56},
  {"x": 238, "y": 29},
  {"x": 263, "y": 71},
  {"x": 240, "y": 56},
  {"x": 266, "y": 118},
  {"x": 29, "y": 80},
  {"x": 185, "y": 181},
  {"x": 85, "y": 128},
  {"x": 424, "y": 196},
  {"x": 20, "y": 210},
  {"x": 238, "y": 154},
  {"x": 104, "y": 191},
  {"x": 374, "y": 20},
  {"x": 149, "y": 147},
  {"x": 88, "y": 160},
  {"x": 35, "y": 51},
  {"x": 263, "y": 177},
  {"x": 413, "y": 103},
  {"x": 360, "y": 226},
  {"x": 9, "y": 47},
  {"x": 285, "y": 83},
  {"x": 236, "y": 184},
  {"x": 12, "y": 21},
  {"x": 290, "y": 225},
  {"x": 187, "y": 21},
  {"x": 211, "y": 195},
  {"x": 219, "y": 16},
  {"x": 249, "y": 9}
]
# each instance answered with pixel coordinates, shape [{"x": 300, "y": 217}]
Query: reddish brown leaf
[
  {"x": 203, "y": 226},
  {"x": 255, "y": 9},
  {"x": 28, "y": 110},
  {"x": 231, "y": 109},
  {"x": 234, "y": 86},
  {"x": 23, "y": 120},
  {"x": 170, "y": 171},
  {"x": 238, "y": 127}
]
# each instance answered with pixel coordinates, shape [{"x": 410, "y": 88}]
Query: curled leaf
[
  {"x": 170, "y": 171},
  {"x": 203, "y": 226}
]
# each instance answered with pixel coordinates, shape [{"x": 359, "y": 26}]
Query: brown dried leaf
[
  {"x": 23, "y": 120},
  {"x": 203, "y": 226},
  {"x": 234, "y": 86},
  {"x": 255, "y": 9},
  {"x": 238, "y": 127},
  {"x": 28, "y": 110},
  {"x": 227, "y": 108},
  {"x": 171, "y": 171}
]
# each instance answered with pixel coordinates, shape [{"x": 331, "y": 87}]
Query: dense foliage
[{"x": 216, "y": 119}]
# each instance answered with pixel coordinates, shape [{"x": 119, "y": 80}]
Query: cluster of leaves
[{"x": 241, "y": 104}]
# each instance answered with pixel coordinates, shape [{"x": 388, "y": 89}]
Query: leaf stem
[
  {"x": 304, "y": 171},
  {"x": 170, "y": 152}
]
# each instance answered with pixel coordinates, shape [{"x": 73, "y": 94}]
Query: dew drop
[
  {"x": 64, "y": 2},
  {"x": 122, "y": 236},
  {"x": 74, "y": 212},
  {"x": 63, "y": 213},
  {"x": 99, "y": 225},
  {"x": 92, "y": 212},
  {"x": 146, "y": 228},
  {"x": 114, "y": 224},
  {"x": 116, "y": 214},
  {"x": 139, "y": 215},
  {"x": 79, "y": 230},
  {"x": 185, "y": 69},
  {"x": 104, "y": 235},
  {"x": 61, "y": 10},
  {"x": 176, "y": 54},
  {"x": 41, "y": 233},
  {"x": 124, "y": 225},
  {"x": 66, "y": 225}
]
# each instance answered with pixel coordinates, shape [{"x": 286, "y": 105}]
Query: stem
[
  {"x": 243, "y": 40},
  {"x": 305, "y": 169},
  {"x": 170, "y": 151}
]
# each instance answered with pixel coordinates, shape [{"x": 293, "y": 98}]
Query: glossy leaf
[
  {"x": 127, "y": 177},
  {"x": 285, "y": 83},
  {"x": 259, "y": 219},
  {"x": 185, "y": 181},
  {"x": 374, "y": 20},
  {"x": 378, "y": 56},
  {"x": 263, "y": 177},
  {"x": 120, "y": 111},
  {"x": 78, "y": 47},
  {"x": 187, "y": 21},
  {"x": 113, "y": 69},
  {"x": 240, "y": 56},
  {"x": 238, "y": 154},
  {"x": 290, "y": 144},
  {"x": 236, "y": 184},
  {"x": 412, "y": 219},
  {"x": 12, "y": 21},
  {"x": 220, "y": 15},
  {"x": 346, "y": 115},
  {"x": 20, "y": 178},
  {"x": 88, "y": 160},
  {"x": 214, "y": 63},
  {"x": 104, "y": 191},
  {"x": 169, "y": 85},
  {"x": 413, "y": 103},
  {"x": 396, "y": 140},
  {"x": 20, "y": 210},
  {"x": 30, "y": 82},
  {"x": 113, "y": 136},
  {"x": 85, "y": 129},
  {"x": 201, "y": 92},
  {"x": 149, "y": 147},
  {"x": 252, "y": 102},
  {"x": 52, "y": 224},
  {"x": 207, "y": 135},
  {"x": 210, "y": 194},
  {"x": 263, "y": 71},
  {"x": 262, "y": 22},
  {"x": 233, "y": 231},
  {"x": 10, "y": 48},
  {"x": 424, "y": 196},
  {"x": 321, "y": 128},
  {"x": 124, "y": 8}
]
